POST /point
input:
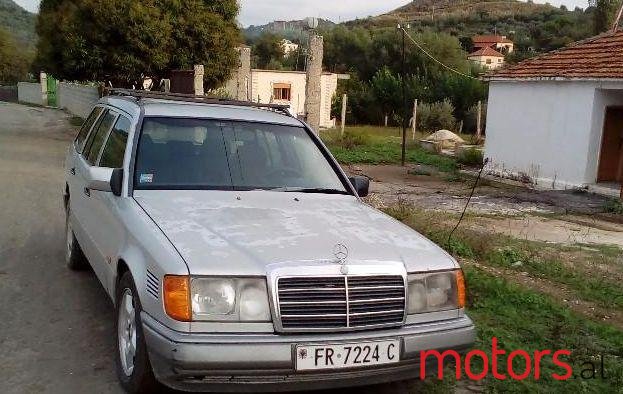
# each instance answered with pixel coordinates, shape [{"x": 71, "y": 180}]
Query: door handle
[
  {"x": 87, "y": 192},
  {"x": 72, "y": 171}
]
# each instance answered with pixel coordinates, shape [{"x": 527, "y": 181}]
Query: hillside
[
  {"x": 18, "y": 22},
  {"x": 533, "y": 27}
]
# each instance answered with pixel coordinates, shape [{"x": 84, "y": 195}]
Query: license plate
[{"x": 347, "y": 355}]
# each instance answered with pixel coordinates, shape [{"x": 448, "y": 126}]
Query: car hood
[{"x": 241, "y": 233}]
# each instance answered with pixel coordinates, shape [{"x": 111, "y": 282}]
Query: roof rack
[{"x": 191, "y": 98}]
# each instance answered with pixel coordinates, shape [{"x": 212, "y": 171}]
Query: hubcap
[{"x": 126, "y": 332}]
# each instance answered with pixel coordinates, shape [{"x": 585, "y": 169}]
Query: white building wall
[
  {"x": 77, "y": 99},
  {"x": 542, "y": 129},
  {"x": 30, "y": 93},
  {"x": 264, "y": 80}
]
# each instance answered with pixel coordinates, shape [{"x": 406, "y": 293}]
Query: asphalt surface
[{"x": 56, "y": 326}]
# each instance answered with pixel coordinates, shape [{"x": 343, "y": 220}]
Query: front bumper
[{"x": 265, "y": 362}]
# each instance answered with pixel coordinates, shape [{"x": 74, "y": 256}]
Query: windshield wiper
[{"x": 313, "y": 190}]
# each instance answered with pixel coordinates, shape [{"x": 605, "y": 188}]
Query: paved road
[{"x": 56, "y": 331}]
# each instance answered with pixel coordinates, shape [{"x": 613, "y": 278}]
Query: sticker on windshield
[{"x": 147, "y": 178}]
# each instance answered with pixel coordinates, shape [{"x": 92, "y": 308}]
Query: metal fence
[{"x": 8, "y": 93}]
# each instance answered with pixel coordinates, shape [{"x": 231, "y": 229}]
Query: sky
[{"x": 259, "y": 12}]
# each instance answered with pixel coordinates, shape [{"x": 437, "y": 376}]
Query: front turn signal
[
  {"x": 177, "y": 297},
  {"x": 461, "y": 291}
]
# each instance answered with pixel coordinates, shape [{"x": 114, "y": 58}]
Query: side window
[
  {"x": 97, "y": 137},
  {"x": 114, "y": 150},
  {"x": 86, "y": 127}
]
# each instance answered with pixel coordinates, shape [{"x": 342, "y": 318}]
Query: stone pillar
[
  {"x": 238, "y": 87},
  {"x": 244, "y": 82},
  {"x": 314, "y": 76},
  {"x": 199, "y": 80}
]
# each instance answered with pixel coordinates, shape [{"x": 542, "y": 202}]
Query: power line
[{"x": 435, "y": 59}]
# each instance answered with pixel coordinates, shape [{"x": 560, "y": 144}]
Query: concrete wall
[
  {"x": 31, "y": 93},
  {"x": 542, "y": 130},
  {"x": 77, "y": 99}
]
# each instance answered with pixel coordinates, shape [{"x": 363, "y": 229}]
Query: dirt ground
[{"x": 564, "y": 217}]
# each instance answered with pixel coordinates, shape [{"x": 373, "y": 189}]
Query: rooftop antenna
[{"x": 615, "y": 26}]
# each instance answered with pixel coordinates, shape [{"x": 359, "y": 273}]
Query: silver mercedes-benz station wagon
[{"x": 240, "y": 257}]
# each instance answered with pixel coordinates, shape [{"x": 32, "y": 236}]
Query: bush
[
  {"x": 471, "y": 157},
  {"x": 351, "y": 139},
  {"x": 436, "y": 116}
]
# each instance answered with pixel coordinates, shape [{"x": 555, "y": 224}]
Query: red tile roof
[
  {"x": 599, "y": 57},
  {"x": 490, "y": 39},
  {"x": 486, "y": 51}
]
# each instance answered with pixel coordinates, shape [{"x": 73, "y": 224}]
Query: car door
[
  {"x": 103, "y": 222},
  {"x": 82, "y": 202},
  {"x": 75, "y": 150}
]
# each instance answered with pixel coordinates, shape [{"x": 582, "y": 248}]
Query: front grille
[{"x": 309, "y": 303}]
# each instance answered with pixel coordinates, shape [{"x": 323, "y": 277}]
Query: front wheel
[
  {"x": 133, "y": 367},
  {"x": 74, "y": 258}
]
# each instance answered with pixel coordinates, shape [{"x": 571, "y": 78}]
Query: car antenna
[{"x": 469, "y": 199}]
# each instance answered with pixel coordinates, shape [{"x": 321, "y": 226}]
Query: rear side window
[
  {"x": 112, "y": 156},
  {"x": 97, "y": 137},
  {"x": 86, "y": 127}
]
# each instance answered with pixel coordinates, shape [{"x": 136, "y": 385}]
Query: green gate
[{"x": 51, "y": 91}]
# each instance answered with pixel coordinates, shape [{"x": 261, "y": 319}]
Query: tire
[
  {"x": 74, "y": 258},
  {"x": 133, "y": 367}
]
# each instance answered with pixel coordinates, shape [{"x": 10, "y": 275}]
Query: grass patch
[
  {"x": 533, "y": 257},
  {"x": 523, "y": 319},
  {"x": 614, "y": 206},
  {"x": 373, "y": 145}
]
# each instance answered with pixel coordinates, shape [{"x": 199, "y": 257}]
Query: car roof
[{"x": 171, "y": 108}]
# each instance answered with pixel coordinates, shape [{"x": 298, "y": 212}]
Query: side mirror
[
  {"x": 361, "y": 185},
  {"x": 106, "y": 180},
  {"x": 99, "y": 179},
  {"x": 116, "y": 181}
]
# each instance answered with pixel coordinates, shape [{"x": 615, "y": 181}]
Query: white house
[
  {"x": 556, "y": 120},
  {"x": 487, "y": 57},
  {"x": 288, "y": 47},
  {"x": 288, "y": 87}
]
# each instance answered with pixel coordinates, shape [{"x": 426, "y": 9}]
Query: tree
[
  {"x": 13, "y": 62},
  {"x": 120, "y": 40},
  {"x": 267, "y": 51},
  {"x": 604, "y": 14},
  {"x": 387, "y": 88}
]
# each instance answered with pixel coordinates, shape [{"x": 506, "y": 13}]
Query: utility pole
[
  {"x": 479, "y": 121},
  {"x": 615, "y": 26},
  {"x": 344, "y": 103},
  {"x": 404, "y": 99},
  {"x": 414, "y": 117}
]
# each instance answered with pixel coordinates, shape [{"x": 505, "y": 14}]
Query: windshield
[{"x": 176, "y": 153}]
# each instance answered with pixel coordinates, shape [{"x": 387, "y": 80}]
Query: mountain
[
  {"x": 18, "y": 22},
  {"x": 288, "y": 29}
]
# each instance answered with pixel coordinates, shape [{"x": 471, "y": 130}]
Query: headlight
[
  {"x": 229, "y": 299},
  {"x": 435, "y": 292}
]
